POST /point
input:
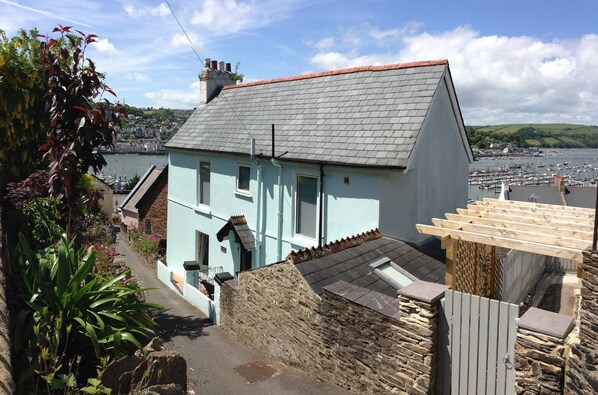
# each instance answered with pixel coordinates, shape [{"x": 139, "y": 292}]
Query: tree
[
  {"x": 23, "y": 122},
  {"x": 81, "y": 119}
]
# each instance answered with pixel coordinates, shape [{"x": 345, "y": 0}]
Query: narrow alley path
[{"x": 212, "y": 354}]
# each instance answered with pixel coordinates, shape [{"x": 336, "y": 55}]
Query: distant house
[
  {"x": 107, "y": 195},
  {"x": 145, "y": 207},
  {"x": 264, "y": 168}
]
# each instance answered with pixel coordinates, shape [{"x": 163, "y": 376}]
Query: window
[
  {"x": 306, "y": 205},
  {"x": 203, "y": 253},
  {"x": 148, "y": 226},
  {"x": 243, "y": 178},
  {"x": 203, "y": 184},
  {"x": 392, "y": 273}
]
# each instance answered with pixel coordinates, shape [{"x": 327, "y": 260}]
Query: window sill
[
  {"x": 303, "y": 241},
  {"x": 202, "y": 208},
  {"x": 244, "y": 194}
]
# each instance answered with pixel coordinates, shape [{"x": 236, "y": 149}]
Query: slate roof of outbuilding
[
  {"x": 365, "y": 116},
  {"x": 143, "y": 186},
  {"x": 349, "y": 261},
  {"x": 549, "y": 194}
]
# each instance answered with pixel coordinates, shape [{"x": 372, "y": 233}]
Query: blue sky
[{"x": 511, "y": 60}]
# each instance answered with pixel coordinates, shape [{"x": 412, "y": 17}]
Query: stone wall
[
  {"x": 6, "y": 380},
  {"x": 384, "y": 349},
  {"x": 369, "y": 352},
  {"x": 539, "y": 363},
  {"x": 581, "y": 374},
  {"x": 153, "y": 207},
  {"x": 274, "y": 310}
]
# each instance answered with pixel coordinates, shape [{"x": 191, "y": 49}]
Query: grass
[
  {"x": 534, "y": 142},
  {"x": 547, "y": 127}
]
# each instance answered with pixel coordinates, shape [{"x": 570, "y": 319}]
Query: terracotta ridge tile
[
  {"x": 308, "y": 254},
  {"x": 395, "y": 66}
]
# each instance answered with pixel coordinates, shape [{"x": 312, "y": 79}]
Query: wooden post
[{"x": 449, "y": 245}]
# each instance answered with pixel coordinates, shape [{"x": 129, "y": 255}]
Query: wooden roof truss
[{"x": 545, "y": 229}]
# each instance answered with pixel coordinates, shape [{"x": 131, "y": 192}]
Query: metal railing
[{"x": 206, "y": 275}]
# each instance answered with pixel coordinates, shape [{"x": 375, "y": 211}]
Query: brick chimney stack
[{"x": 212, "y": 78}]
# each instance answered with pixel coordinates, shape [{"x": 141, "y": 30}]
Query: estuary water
[{"x": 129, "y": 165}]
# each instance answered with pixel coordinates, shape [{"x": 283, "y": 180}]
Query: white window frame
[
  {"x": 296, "y": 235},
  {"x": 202, "y": 206},
  {"x": 245, "y": 192},
  {"x": 383, "y": 261}
]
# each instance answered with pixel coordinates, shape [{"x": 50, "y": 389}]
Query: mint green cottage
[{"x": 264, "y": 168}]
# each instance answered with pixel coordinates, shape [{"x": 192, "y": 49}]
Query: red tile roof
[{"x": 396, "y": 66}]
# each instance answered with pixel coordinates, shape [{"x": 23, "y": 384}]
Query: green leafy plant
[
  {"x": 23, "y": 122},
  {"x": 148, "y": 244},
  {"x": 42, "y": 221},
  {"x": 131, "y": 183},
  {"x": 73, "y": 319}
]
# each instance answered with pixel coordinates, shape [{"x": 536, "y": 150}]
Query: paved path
[{"x": 211, "y": 353}]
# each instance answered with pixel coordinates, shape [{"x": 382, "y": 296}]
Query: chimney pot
[
  {"x": 228, "y": 68},
  {"x": 207, "y": 62},
  {"x": 214, "y": 65},
  {"x": 221, "y": 66}
]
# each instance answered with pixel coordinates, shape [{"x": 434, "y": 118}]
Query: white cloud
[
  {"x": 409, "y": 28},
  {"x": 106, "y": 48},
  {"x": 223, "y": 17},
  {"x": 323, "y": 43},
  {"x": 179, "y": 40},
  {"x": 135, "y": 76},
  {"x": 138, "y": 12},
  {"x": 174, "y": 98},
  {"x": 498, "y": 78}
]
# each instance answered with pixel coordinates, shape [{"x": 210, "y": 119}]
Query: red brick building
[{"x": 146, "y": 206}]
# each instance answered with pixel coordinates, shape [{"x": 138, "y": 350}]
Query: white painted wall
[{"x": 436, "y": 181}]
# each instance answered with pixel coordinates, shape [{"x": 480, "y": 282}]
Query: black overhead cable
[{"x": 200, "y": 60}]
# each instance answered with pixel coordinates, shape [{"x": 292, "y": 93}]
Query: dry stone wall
[
  {"x": 336, "y": 339},
  {"x": 274, "y": 310},
  {"x": 581, "y": 373},
  {"x": 539, "y": 363}
]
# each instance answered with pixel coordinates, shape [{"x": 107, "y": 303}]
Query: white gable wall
[{"x": 437, "y": 179}]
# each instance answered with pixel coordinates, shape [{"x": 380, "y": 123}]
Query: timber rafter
[{"x": 544, "y": 229}]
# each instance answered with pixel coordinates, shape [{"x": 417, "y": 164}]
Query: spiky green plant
[{"x": 74, "y": 319}]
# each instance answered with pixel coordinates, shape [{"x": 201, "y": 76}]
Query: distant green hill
[{"x": 548, "y": 135}]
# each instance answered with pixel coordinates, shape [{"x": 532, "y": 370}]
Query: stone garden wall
[
  {"x": 581, "y": 374},
  {"x": 385, "y": 347}
]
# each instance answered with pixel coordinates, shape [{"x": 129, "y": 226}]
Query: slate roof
[
  {"x": 243, "y": 235},
  {"x": 365, "y": 116},
  {"x": 143, "y": 186},
  {"x": 350, "y": 261},
  {"x": 549, "y": 194}
]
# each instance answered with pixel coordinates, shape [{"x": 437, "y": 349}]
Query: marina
[{"x": 578, "y": 167}]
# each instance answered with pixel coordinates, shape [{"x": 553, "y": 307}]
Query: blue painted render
[{"x": 351, "y": 205}]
